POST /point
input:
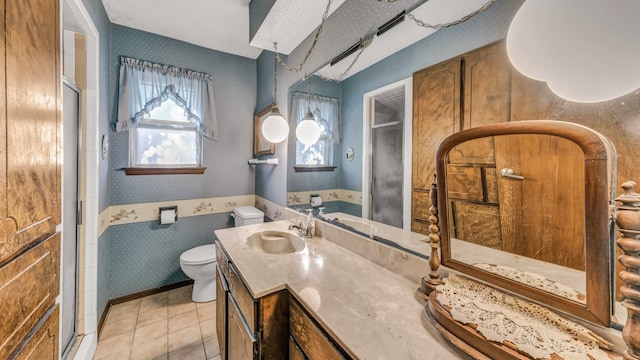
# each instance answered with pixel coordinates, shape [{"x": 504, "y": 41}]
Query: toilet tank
[{"x": 247, "y": 215}]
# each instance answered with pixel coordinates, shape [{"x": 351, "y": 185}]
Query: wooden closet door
[
  {"x": 30, "y": 125},
  {"x": 436, "y": 115},
  {"x": 30, "y": 168}
]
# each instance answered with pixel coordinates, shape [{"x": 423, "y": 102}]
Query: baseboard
[{"x": 138, "y": 295}]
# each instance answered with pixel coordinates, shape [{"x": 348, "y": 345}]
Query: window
[
  {"x": 166, "y": 138},
  {"x": 325, "y": 111},
  {"x": 168, "y": 111}
]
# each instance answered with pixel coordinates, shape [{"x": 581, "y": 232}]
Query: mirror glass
[
  {"x": 379, "y": 217},
  {"x": 524, "y": 206},
  {"x": 504, "y": 194}
]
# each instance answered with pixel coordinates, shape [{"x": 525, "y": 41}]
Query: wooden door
[
  {"x": 546, "y": 206},
  {"x": 436, "y": 115},
  {"x": 29, "y": 178}
]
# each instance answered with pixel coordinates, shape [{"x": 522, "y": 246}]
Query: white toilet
[{"x": 199, "y": 263}]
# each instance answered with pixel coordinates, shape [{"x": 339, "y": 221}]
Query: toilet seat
[{"x": 199, "y": 255}]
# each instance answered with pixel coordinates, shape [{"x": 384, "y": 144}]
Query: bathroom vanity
[{"x": 322, "y": 302}]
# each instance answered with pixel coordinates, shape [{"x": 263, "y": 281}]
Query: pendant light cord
[
  {"x": 275, "y": 80},
  {"x": 313, "y": 45}
]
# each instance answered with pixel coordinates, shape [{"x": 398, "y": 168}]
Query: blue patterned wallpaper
[
  {"x": 271, "y": 181},
  {"x": 234, "y": 81},
  {"x": 147, "y": 255}
]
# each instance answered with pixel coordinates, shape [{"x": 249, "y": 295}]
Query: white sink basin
[{"x": 276, "y": 242}]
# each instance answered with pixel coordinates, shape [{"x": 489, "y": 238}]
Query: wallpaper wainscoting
[{"x": 303, "y": 197}]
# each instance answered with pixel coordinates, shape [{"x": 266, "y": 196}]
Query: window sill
[
  {"x": 313, "y": 168},
  {"x": 163, "y": 171}
]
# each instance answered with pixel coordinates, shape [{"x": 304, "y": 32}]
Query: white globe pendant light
[
  {"x": 275, "y": 128},
  {"x": 308, "y": 131}
]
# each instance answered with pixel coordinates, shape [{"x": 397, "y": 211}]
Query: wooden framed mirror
[{"x": 525, "y": 206}]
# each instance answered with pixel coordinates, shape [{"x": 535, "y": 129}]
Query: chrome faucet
[{"x": 305, "y": 229}]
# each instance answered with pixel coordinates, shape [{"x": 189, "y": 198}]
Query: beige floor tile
[
  {"x": 211, "y": 346},
  {"x": 116, "y": 327},
  {"x": 122, "y": 355},
  {"x": 116, "y": 344},
  {"x": 182, "y": 321},
  {"x": 184, "y": 337},
  {"x": 180, "y": 294},
  {"x": 208, "y": 328},
  {"x": 150, "y": 350},
  {"x": 193, "y": 351},
  {"x": 162, "y": 357},
  {"x": 217, "y": 357},
  {"x": 124, "y": 310},
  {"x": 152, "y": 316},
  {"x": 150, "y": 332},
  {"x": 153, "y": 302},
  {"x": 207, "y": 312},
  {"x": 203, "y": 304},
  {"x": 181, "y": 307}
]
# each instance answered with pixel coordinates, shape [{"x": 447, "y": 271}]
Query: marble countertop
[{"x": 372, "y": 312}]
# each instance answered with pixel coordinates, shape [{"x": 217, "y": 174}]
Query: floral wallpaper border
[
  {"x": 135, "y": 213},
  {"x": 302, "y": 197},
  {"x": 272, "y": 210}
]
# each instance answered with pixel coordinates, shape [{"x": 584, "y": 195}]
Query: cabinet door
[
  {"x": 221, "y": 312},
  {"x": 295, "y": 353},
  {"x": 30, "y": 123},
  {"x": 436, "y": 115},
  {"x": 242, "y": 345}
]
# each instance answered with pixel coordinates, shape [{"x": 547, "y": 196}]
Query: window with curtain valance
[
  {"x": 168, "y": 109},
  {"x": 326, "y": 112}
]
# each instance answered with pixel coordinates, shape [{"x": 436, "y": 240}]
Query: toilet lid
[{"x": 199, "y": 255}]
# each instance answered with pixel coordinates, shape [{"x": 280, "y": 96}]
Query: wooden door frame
[{"x": 367, "y": 116}]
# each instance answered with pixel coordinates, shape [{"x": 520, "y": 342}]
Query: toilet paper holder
[{"x": 168, "y": 208}]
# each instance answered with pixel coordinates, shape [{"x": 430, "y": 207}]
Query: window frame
[{"x": 155, "y": 169}]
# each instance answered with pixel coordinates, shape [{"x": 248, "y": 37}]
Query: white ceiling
[{"x": 221, "y": 25}]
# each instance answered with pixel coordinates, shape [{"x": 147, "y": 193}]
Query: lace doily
[
  {"x": 533, "y": 329},
  {"x": 534, "y": 280}
]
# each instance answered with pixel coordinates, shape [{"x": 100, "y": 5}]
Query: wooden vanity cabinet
[
  {"x": 249, "y": 328},
  {"x": 308, "y": 340}
]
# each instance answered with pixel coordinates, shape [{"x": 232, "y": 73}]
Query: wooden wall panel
[
  {"x": 43, "y": 345},
  {"x": 477, "y": 224},
  {"x": 32, "y": 188},
  {"x": 30, "y": 284},
  {"x": 465, "y": 183}
]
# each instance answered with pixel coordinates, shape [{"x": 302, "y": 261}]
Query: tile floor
[{"x": 163, "y": 326}]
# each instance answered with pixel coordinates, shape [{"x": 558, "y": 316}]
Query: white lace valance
[{"x": 145, "y": 85}]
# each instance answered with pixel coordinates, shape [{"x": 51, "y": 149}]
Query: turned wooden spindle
[
  {"x": 628, "y": 221},
  {"x": 430, "y": 282}
]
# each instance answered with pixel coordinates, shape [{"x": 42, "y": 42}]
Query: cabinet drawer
[
  {"x": 223, "y": 261},
  {"x": 241, "y": 295},
  {"x": 30, "y": 284},
  {"x": 312, "y": 340}
]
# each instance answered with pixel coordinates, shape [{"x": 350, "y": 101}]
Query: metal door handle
[{"x": 508, "y": 173}]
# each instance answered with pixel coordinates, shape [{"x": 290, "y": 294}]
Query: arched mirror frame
[{"x": 598, "y": 153}]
